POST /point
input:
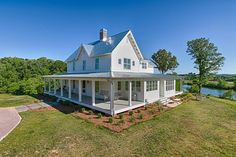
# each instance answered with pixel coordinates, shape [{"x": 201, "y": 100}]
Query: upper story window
[
  {"x": 119, "y": 61},
  {"x": 73, "y": 65},
  {"x": 133, "y": 63},
  {"x": 96, "y": 63},
  {"x": 127, "y": 63},
  {"x": 84, "y": 64},
  {"x": 144, "y": 65},
  {"x": 169, "y": 85}
]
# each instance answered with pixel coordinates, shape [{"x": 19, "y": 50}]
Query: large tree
[
  {"x": 206, "y": 58},
  {"x": 164, "y": 61}
]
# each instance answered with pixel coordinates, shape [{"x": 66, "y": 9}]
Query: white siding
[
  {"x": 125, "y": 50},
  {"x": 104, "y": 64}
]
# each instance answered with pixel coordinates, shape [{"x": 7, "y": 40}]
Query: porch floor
[{"x": 120, "y": 105}]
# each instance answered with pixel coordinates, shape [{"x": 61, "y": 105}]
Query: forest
[{"x": 24, "y": 76}]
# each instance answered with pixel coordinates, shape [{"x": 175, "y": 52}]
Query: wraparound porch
[{"x": 101, "y": 105}]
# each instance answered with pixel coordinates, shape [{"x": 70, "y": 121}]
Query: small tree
[
  {"x": 222, "y": 83},
  {"x": 164, "y": 61},
  {"x": 206, "y": 58}
]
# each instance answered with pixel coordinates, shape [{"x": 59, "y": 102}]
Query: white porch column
[
  {"x": 49, "y": 84},
  {"x": 174, "y": 85},
  {"x": 61, "y": 83},
  {"x": 44, "y": 85},
  {"x": 93, "y": 93},
  {"x": 144, "y": 90},
  {"x": 130, "y": 93},
  {"x": 80, "y": 91},
  {"x": 55, "y": 90},
  {"x": 164, "y": 90},
  {"x": 69, "y": 84},
  {"x": 112, "y": 97}
]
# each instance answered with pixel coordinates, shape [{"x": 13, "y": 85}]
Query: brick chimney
[{"x": 103, "y": 34}]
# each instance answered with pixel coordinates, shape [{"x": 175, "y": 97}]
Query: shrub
[
  {"x": 99, "y": 115},
  {"x": 121, "y": 116},
  {"x": 193, "y": 89},
  {"x": 121, "y": 121},
  {"x": 131, "y": 113},
  {"x": 90, "y": 112},
  {"x": 138, "y": 111},
  {"x": 228, "y": 94},
  {"x": 82, "y": 110},
  {"x": 110, "y": 120},
  {"x": 140, "y": 116},
  {"x": 132, "y": 119}
]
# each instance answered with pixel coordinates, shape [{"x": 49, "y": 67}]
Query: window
[
  {"x": 144, "y": 65},
  {"x": 126, "y": 85},
  {"x": 84, "y": 86},
  {"x": 119, "y": 85},
  {"x": 133, "y": 63},
  {"x": 73, "y": 84},
  {"x": 96, "y": 63},
  {"x": 84, "y": 64},
  {"x": 73, "y": 65},
  {"x": 151, "y": 85},
  {"x": 169, "y": 85},
  {"x": 96, "y": 86},
  {"x": 133, "y": 85},
  {"x": 127, "y": 63},
  {"x": 138, "y": 86},
  {"x": 119, "y": 61}
]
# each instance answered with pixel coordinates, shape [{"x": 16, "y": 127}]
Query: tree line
[{"x": 23, "y": 76}]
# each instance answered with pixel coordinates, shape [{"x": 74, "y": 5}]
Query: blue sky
[{"x": 55, "y": 28}]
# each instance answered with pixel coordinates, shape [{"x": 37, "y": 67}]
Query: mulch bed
[{"x": 121, "y": 123}]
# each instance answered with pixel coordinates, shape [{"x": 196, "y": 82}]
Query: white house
[{"x": 110, "y": 75}]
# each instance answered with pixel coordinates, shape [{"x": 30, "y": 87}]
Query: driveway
[{"x": 9, "y": 119}]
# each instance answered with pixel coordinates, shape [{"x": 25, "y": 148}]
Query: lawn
[
  {"x": 206, "y": 128},
  {"x": 7, "y": 100}
]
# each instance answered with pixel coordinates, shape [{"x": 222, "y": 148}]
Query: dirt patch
[{"x": 124, "y": 120}]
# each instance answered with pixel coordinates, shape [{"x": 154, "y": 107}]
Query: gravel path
[{"x": 9, "y": 119}]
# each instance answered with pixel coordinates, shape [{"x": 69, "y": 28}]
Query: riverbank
[
  {"x": 210, "y": 91},
  {"x": 213, "y": 85}
]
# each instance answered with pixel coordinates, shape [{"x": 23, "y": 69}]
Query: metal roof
[{"x": 99, "y": 47}]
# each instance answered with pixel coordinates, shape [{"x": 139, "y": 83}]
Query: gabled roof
[{"x": 99, "y": 47}]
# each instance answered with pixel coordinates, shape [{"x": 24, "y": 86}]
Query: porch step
[{"x": 164, "y": 101}]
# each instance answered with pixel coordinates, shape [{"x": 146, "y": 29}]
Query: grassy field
[
  {"x": 206, "y": 128},
  {"x": 7, "y": 100}
]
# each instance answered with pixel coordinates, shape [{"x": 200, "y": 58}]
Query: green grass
[
  {"x": 206, "y": 128},
  {"x": 7, "y": 100}
]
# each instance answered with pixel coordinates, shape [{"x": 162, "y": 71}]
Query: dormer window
[
  {"x": 96, "y": 63},
  {"x": 127, "y": 63},
  {"x": 144, "y": 65},
  {"x": 84, "y": 65}
]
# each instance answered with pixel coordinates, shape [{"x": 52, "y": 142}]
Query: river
[{"x": 206, "y": 91}]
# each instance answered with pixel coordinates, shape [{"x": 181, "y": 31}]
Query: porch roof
[{"x": 112, "y": 75}]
